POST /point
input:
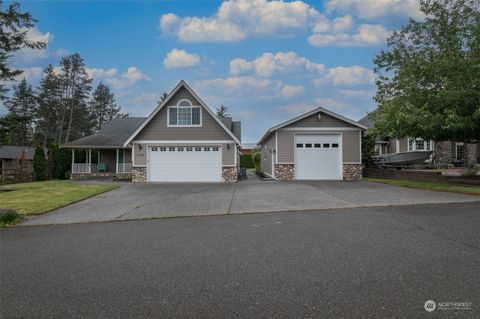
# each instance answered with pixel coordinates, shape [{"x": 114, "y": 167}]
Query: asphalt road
[{"x": 364, "y": 262}]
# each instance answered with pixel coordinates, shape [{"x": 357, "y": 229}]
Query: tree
[
  {"x": 429, "y": 77},
  {"x": 14, "y": 27},
  {"x": 368, "y": 149},
  {"x": 102, "y": 106},
  {"x": 257, "y": 158},
  {"x": 40, "y": 164},
  {"x": 74, "y": 117},
  {"x": 23, "y": 105},
  {"x": 62, "y": 160},
  {"x": 222, "y": 112},
  {"x": 10, "y": 124},
  {"x": 49, "y": 99}
]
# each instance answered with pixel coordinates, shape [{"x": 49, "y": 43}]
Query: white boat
[{"x": 402, "y": 158}]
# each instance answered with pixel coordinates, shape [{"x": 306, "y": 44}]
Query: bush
[
  {"x": 246, "y": 161},
  {"x": 62, "y": 161},
  {"x": 9, "y": 217},
  {"x": 256, "y": 158},
  {"x": 40, "y": 164}
]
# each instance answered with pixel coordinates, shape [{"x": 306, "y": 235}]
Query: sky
[{"x": 267, "y": 61}]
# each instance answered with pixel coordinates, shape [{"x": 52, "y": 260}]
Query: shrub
[
  {"x": 246, "y": 161},
  {"x": 9, "y": 217},
  {"x": 256, "y": 158},
  {"x": 368, "y": 149},
  {"x": 40, "y": 164},
  {"x": 62, "y": 159}
]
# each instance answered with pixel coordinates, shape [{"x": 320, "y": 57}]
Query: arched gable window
[{"x": 184, "y": 114}]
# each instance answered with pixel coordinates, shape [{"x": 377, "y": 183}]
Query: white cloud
[
  {"x": 331, "y": 104},
  {"x": 342, "y": 24},
  {"x": 344, "y": 76},
  {"x": 180, "y": 59},
  {"x": 289, "y": 91},
  {"x": 235, "y": 20},
  {"x": 269, "y": 64},
  {"x": 95, "y": 73},
  {"x": 365, "y": 35},
  {"x": 356, "y": 95},
  {"x": 377, "y": 9},
  {"x": 28, "y": 55},
  {"x": 31, "y": 73},
  {"x": 127, "y": 79},
  {"x": 243, "y": 85}
]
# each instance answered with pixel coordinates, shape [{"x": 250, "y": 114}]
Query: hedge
[{"x": 246, "y": 161}]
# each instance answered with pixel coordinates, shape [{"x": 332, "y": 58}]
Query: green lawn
[
  {"x": 40, "y": 197},
  {"x": 443, "y": 187}
]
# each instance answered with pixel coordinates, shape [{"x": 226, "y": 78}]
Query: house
[
  {"x": 318, "y": 145},
  {"x": 10, "y": 157},
  {"x": 247, "y": 148},
  {"x": 446, "y": 152},
  {"x": 181, "y": 140}
]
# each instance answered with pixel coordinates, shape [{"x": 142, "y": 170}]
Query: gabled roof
[
  {"x": 112, "y": 134},
  {"x": 13, "y": 152},
  {"x": 180, "y": 84},
  {"x": 312, "y": 112},
  {"x": 366, "y": 121},
  {"x": 234, "y": 126}
]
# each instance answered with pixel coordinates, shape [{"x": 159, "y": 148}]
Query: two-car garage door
[
  {"x": 318, "y": 157},
  {"x": 185, "y": 163}
]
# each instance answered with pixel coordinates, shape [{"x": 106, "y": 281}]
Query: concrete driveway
[{"x": 142, "y": 201}]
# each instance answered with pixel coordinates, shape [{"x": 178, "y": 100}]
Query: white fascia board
[{"x": 183, "y": 141}]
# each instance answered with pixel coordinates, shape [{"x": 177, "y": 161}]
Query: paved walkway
[{"x": 141, "y": 201}]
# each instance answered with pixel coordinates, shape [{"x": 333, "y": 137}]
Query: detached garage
[{"x": 318, "y": 145}]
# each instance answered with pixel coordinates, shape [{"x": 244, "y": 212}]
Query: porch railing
[
  {"x": 124, "y": 167},
  {"x": 84, "y": 168}
]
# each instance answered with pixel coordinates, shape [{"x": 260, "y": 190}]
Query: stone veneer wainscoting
[
  {"x": 139, "y": 174},
  {"x": 285, "y": 172},
  {"x": 352, "y": 172},
  {"x": 229, "y": 174}
]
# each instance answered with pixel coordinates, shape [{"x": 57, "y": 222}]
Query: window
[
  {"x": 299, "y": 145},
  {"x": 334, "y": 145},
  {"x": 198, "y": 149},
  {"x": 154, "y": 149},
  {"x": 163, "y": 149},
  {"x": 326, "y": 145},
  {"x": 215, "y": 148},
  {"x": 171, "y": 149},
  {"x": 460, "y": 148},
  {"x": 418, "y": 144},
  {"x": 308, "y": 145},
  {"x": 184, "y": 114},
  {"x": 189, "y": 149},
  {"x": 180, "y": 149},
  {"x": 206, "y": 149},
  {"x": 317, "y": 145}
]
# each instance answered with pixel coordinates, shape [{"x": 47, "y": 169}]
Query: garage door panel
[
  {"x": 171, "y": 165},
  {"x": 318, "y": 157}
]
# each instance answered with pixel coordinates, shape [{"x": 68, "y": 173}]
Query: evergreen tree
[
  {"x": 222, "y": 111},
  {"x": 75, "y": 120},
  {"x": 40, "y": 164},
  {"x": 14, "y": 26},
  {"x": 23, "y": 105},
  {"x": 49, "y": 98},
  {"x": 10, "y": 124},
  {"x": 102, "y": 106}
]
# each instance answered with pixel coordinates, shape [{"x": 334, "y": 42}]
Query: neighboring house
[
  {"x": 181, "y": 140},
  {"x": 11, "y": 155},
  {"x": 247, "y": 148},
  {"x": 318, "y": 145},
  {"x": 446, "y": 152}
]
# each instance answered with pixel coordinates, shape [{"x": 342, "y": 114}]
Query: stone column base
[
  {"x": 139, "y": 174},
  {"x": 229, "y": 174},
  {"x": 352, "y": 172},
  {"x": 285, "y": 172}
]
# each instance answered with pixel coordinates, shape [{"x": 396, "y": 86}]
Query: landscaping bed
[
  {"x": 40, "y": 197},
  {"x": 420, "y": 176}
]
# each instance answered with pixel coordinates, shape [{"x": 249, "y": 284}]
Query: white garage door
[
  {"x": 185, "y": 163},
  {"x": 318, "y": 157}
]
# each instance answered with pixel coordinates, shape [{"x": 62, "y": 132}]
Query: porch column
[
  {"x": 116, "y": 163},
  {"x": 123, "y": 157},
  {"x": 89, "y": 161},
  {"x": 73, "y": 159},
  {"x": 98, "y": 157}
]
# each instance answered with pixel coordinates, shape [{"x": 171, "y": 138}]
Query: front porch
[{"x": 101, "y": 163}]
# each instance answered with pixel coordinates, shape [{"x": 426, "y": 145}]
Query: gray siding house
[
  {"x": 181, "y": 140},
  {"x": 318, "y": 145},
  {"x": 446, "y": 152}
]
